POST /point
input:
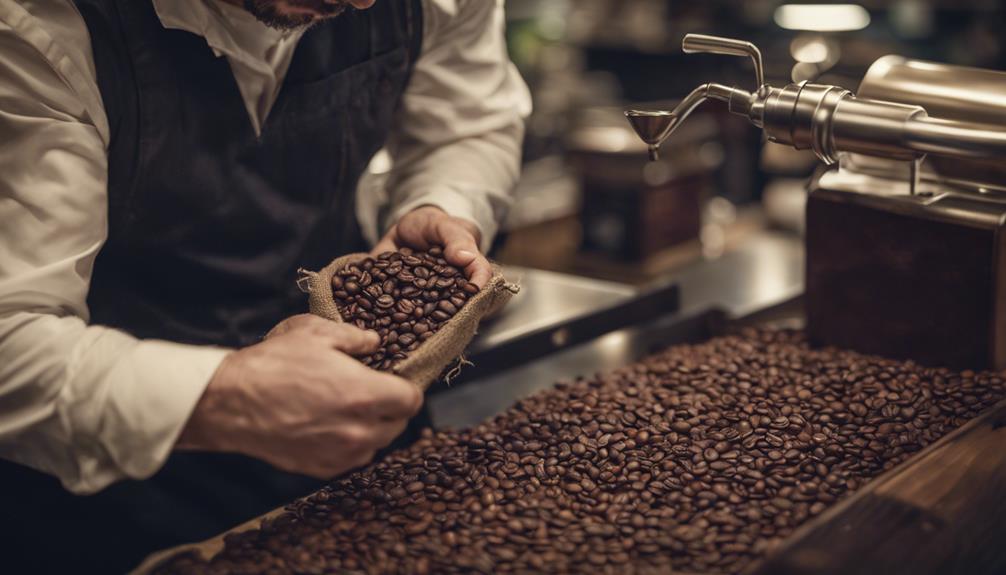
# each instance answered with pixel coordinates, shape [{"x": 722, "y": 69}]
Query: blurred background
[{"x": 589, "y": 202}]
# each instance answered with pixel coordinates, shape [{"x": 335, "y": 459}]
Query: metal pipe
[
  {"x": 829, "y": 120},
  {"x": 957, "y": 139},
  {"x": 655, "y": 126},
  {"x": 703, "y": 44}
]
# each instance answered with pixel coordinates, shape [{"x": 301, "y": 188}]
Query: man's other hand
[
  {"x": 428, "y": 226},
  {"x": 300, "y": 402}
]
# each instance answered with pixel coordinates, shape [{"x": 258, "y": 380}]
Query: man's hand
[
  {"x": 429, "y": 226},
  {"x": 300, "y": 402}
]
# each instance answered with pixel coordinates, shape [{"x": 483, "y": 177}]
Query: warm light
[
  {"x": 809, "y": 50},
  {"x": 822, "y": 17}
]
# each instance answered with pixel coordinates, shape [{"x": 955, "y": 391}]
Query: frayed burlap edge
[{"x": 424, "y": 364}]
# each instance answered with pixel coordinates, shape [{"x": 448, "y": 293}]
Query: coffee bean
[
  {"x": 692, "y": 460},
  {"x": 381, "y": 293}
]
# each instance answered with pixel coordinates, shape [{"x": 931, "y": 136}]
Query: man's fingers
[
  {"x": 458, "y": 240},
  {"x": 480, "y": 271},
  {"x": 387, "y": 244},
  {"x": 344, "y": 337},
  {"x": 461, "y": 249},
  {"x": 353, "y": 340},
  {"x": 393, "y": 397},
  {"x": 429, "y": 226},
  {"x": 387, "y": 431}
]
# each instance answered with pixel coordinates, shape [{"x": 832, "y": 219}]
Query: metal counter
[{"x": 766, "y": 270}]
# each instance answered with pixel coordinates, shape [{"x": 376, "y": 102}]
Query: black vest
[
  {"x": 208, "y": 222},
  {"x": 207, "y": 226}
]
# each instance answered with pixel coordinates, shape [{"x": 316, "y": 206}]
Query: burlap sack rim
[{"x": 427, "y": 361}]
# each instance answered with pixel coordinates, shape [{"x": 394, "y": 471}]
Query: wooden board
[
  {"x": 205, "y": 549},
  {"x": 942, "y": 511}
]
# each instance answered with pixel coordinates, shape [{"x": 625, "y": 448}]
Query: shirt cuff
[
  {"x": 471, "y": 207},
  {"x": 151, "y": 394}
]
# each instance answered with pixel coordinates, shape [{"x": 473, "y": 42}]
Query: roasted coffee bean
[
  {"x": 388, "y": 293},
  {"x": 691, "y": 460}
]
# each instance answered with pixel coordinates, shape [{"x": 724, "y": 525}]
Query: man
[{"x": 165, "y": 168}]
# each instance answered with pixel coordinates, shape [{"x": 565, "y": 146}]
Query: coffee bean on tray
[
  {"x": 697, "y": 459},
  {"x": 394, "y": 293}
]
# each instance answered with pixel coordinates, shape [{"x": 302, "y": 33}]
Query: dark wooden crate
[{"x": 908, "y": 277}]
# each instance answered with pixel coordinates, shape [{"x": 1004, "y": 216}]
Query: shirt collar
[{"x": 206, "y": 18}]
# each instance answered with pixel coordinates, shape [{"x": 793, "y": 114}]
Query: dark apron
[{"x": 208, "y": 224}]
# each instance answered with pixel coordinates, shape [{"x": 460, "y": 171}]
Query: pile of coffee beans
[
  {"x": 404, "y": 296},
  {"x": 697, "y": 459}
]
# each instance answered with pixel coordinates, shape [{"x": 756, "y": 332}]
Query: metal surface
[
  {"x": 653, "y": 127},
  {"x": 963, "y": 94},
  {"x": 765, "y": 271},
  {"x": 546, "y": 299},
  {"x": 945, "y": 91},
  {"x": 555, "y": 311}
]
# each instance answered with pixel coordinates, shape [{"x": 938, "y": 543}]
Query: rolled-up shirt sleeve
[
  {"x": 458, "y": 135},
  {"x": 88, "y": 404}
]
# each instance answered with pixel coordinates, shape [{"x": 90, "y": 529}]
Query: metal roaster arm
[{"x": 826, "y": 119}]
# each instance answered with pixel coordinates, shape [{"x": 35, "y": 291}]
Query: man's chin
[{"x": 293, "y": 14}]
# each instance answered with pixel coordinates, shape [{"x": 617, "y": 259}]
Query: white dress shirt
[{"x": 93, "y": 405}]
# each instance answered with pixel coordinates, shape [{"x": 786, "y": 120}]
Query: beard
[{"x": 310, "y": 11}]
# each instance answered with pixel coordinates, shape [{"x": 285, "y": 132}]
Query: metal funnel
[{"x": 653, "y": 127}]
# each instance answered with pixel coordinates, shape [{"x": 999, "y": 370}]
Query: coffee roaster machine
[{"x": 906, "y": 220}]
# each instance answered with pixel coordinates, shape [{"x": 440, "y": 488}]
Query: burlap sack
[{"x": 424, "y": 364}]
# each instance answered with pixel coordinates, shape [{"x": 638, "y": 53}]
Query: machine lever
[{"x": 703, "y": 44}]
